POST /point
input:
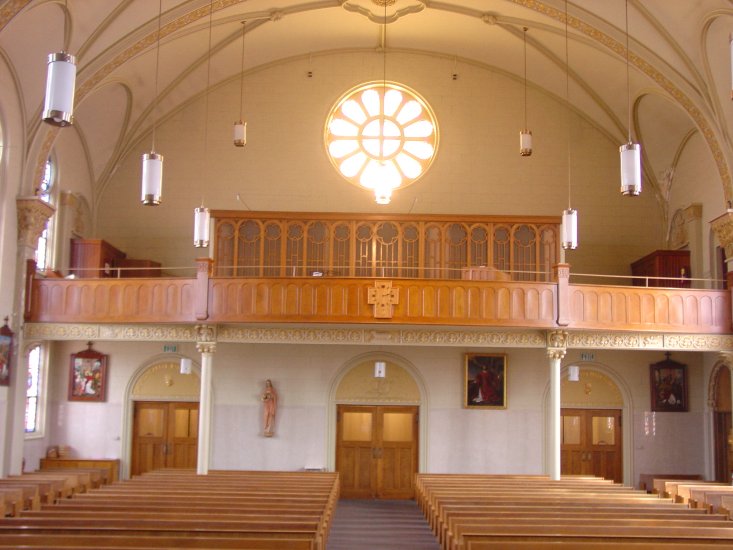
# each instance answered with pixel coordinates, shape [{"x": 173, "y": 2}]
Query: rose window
[{"x": 381, "y": 141}]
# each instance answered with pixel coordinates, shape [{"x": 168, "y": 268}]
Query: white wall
[{"x": 458, "y": 440}]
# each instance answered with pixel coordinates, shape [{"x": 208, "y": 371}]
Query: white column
[
  {"x": 556, "y": 346},
  {"x": 33, "y": 214},
  {"x": 205, "y": 405},
  {"x": 555, "y": 417}
]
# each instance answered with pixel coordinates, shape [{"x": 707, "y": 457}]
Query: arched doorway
[
  {"x": 377, "y": 428},
  {"x": 593, "y": 412},
  {"x": 161, "y": 418},
  {"x": 720, "y": 393}
]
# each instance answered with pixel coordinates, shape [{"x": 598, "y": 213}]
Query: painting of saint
[{"x": 485, "y": 381}]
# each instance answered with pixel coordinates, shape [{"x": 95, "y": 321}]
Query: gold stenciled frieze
[{"x": 379, "y": 337}]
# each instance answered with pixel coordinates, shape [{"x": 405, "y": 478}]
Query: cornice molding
[{"x": 379, "y": 336}]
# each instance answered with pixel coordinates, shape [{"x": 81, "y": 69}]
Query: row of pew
[
  {"x": 31, "y": 490},
  {"x": 481, "y": 512},
  {"x": 179, "y": 509},
  {"x": 712, "y": 496}
]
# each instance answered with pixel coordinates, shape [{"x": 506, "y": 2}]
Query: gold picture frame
[{"x": 484, "y": 381}]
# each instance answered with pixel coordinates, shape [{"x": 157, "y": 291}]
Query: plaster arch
[
  {"x": 405, "y": 368},
  {"x": 598, "y": 369},
  {"x": 722, "y": 362},
  {"x": 147, "y": 368}
]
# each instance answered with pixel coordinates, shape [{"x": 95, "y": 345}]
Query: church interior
[{"x": 383, "y": 238}]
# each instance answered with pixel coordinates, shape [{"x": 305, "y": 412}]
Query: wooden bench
[
  {"x": 474, "y": 511},
  {"x": 245, "y": 510},
  {"x": 646, "y": 481}
]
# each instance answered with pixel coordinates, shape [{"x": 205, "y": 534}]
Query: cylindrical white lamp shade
[
  {"x": 58, "y": 108},
  {"x": 186, "y": 365},
  {"x": 152, "y": 181},
  {"x": 630, "y": 169},
  {"x": 569, "y": 229},
  {"x": 525, "y": 143},
  {"x": 201, "y": 221},
  {"x": 380, "y": 369},
  {"x": 574, "y": 373},
  {"x": 240, "y": 134}
]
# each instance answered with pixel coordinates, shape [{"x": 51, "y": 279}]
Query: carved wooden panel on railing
[
  {"x": 673, "y": 310},
  {"x": 160, "y": 300},
  {"x": 272, "y": 244},
  {"x": 335, "y": 300}
]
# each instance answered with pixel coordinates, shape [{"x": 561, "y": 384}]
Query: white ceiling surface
[{"x": 685, "y": 41}]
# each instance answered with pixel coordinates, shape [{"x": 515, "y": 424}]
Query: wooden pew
[
  {"x": 249, "y": 510},
  {"x": 646, "y": 481},
  {"x": 478, "y": 511}
]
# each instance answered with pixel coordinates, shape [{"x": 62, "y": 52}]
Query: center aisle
[{"x": 380, "y": 525}]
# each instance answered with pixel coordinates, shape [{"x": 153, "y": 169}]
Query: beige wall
[
  {"x": 458, "y": 440},
  {"x": 478, "y": 169}
]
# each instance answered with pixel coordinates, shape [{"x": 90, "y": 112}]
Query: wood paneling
[
  {"x": 344, "y": 300},
  {"x": 160, "y": 300},
  {"x": 639, "y": 309}
]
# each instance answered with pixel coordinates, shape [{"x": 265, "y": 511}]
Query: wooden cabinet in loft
[
  {"x": 98, "y": 258},
  {"x": 94, "y": 258},
  {"x": 660, "y": 264}
]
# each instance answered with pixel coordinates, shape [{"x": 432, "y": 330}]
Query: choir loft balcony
[{"x": 364, "y": 269}]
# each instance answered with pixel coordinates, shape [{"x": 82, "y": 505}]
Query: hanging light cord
[
  {"x": 157, "y": 66},
  {"x": 567, "y": 95},
  {"x": 628, "y": 81},
  {"x": 206, "y": 104},
  {"x": 241, "y": 82},
  {"x": 384, "y": 81},
  {"x": 525, "y": 76}
]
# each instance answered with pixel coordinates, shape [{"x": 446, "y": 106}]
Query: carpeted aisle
[{"x": 380, "y": 525}]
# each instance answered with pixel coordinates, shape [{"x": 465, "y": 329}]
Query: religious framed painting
[
  {"x": 88, "y": 375},
  {"x": 6, "y": 353},
  {"x": 484, "y": 381},
  {"x": 668, "y": 382}
]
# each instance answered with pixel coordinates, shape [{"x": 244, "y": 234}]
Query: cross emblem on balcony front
[{"x": 383, "y": 297}]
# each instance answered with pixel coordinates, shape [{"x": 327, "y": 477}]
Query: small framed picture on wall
[
  {"x": 668, "y": 382},
  {"x": 484, "y": 381},
  {"x": 88, "y": 376},
  {"x": 6, "y": 353}
]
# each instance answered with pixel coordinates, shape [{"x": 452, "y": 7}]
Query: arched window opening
[
  {"x": 45, "y": 193},
  {"x": 35, "y": 391}
]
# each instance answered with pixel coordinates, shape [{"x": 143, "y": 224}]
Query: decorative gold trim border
[{"x": 381, "y": 337}]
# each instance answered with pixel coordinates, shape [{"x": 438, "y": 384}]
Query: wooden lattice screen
[{"x": 276, "y": 244}]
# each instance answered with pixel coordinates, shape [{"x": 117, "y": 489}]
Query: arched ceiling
[{"x": 678, "y": 50}]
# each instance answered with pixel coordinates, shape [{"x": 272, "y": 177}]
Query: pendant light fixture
[
  {"x": 202, "y": 215},
  {"x": 630, "y": 151},
  {"x": 58, "y": 108},
  {"x": 385, "y": 184},
  {"x": 569, "y": 228},
  {"x": 240, "y": 127},
  {"x": 152, "y": 178},
  {"x": 525, "y": 136}
]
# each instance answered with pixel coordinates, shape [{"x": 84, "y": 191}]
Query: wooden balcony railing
[
  {"x": 479, "y": 303},
  {"x": 327, "y": 268},
  {"x": 282, "y": 244}
]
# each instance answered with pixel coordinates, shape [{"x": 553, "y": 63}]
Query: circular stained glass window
[{"x": 381, "y": 136}]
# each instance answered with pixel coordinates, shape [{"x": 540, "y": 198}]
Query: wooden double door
[
  {"x": 164, "y": 435},
  {"x": 376, "y": 451},
  {"x": 592, "y": 443}
]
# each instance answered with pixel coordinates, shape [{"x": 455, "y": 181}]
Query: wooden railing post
[
  {"x": 562, "y": 277},
  {"x": 201, "y": 288}
]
